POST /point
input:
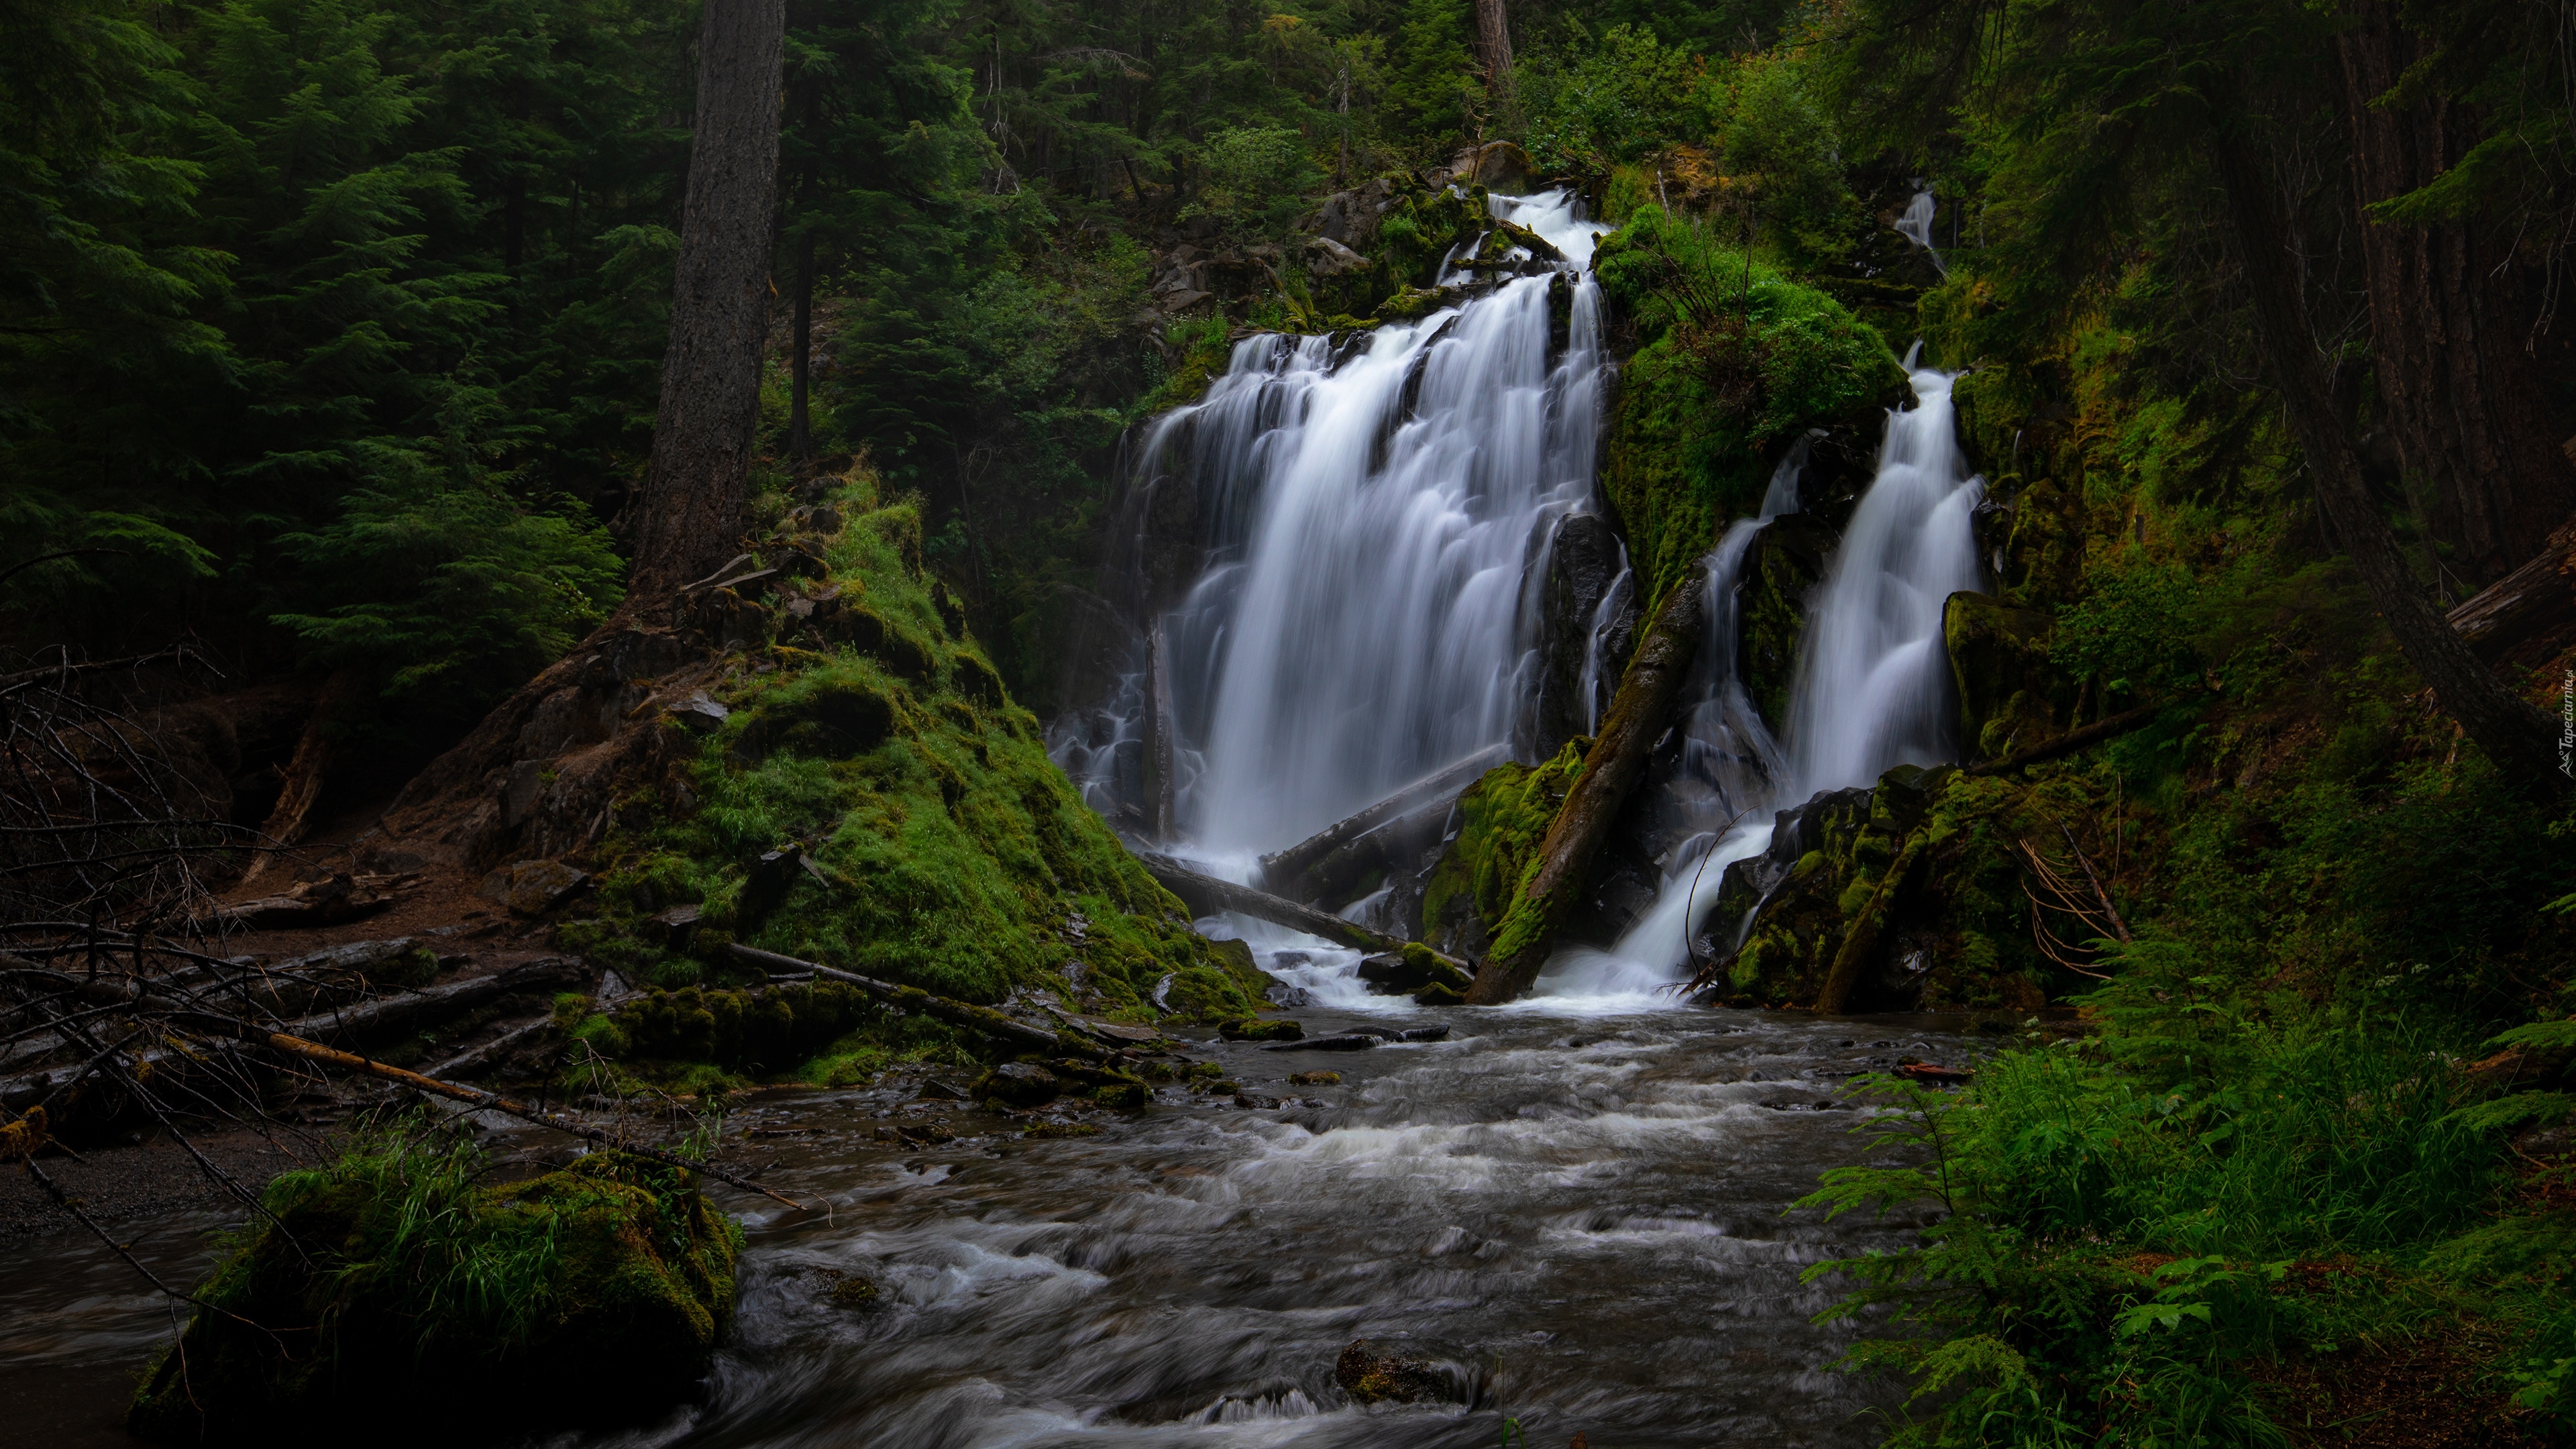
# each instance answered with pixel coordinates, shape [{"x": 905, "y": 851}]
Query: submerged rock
[
  {"x": 1372, "y": 1376},
  {"x": 392, "y": 1293}
]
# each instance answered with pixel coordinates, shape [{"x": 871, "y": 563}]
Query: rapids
[{"x": 1582, "y": 1214}]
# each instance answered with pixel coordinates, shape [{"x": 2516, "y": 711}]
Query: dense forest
[{"x": 346, "y": 377}]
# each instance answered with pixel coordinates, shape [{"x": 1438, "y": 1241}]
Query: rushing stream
[{"x": 1582, "y": 1213}]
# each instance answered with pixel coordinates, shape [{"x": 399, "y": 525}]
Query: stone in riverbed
[
  {"x": 1254, "y": 1029},
  {"x": 1017, "y": 1084},
  {"x": 1370, "y": 1375},
  {"x": 1349, "y": 1041}
]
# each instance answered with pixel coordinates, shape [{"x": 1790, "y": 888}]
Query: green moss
[
  {"x": 592, "y": 1295},
  {"x": 926, "y": 837},
  {"x": 1733, "y": 364},
  {"x": 1503, "y": 817}
]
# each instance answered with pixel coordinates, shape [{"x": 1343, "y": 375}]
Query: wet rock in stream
[{"x": 1369, "y": 1374}]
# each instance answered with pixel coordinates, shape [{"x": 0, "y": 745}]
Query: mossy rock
[
  {"x": 1503, "y": 818},
  {"x": 1254, "y": 1029},
  {"x": 1782, "y": 567},
  {"x": 2009, "y": 696},
  {"x": 392, "y": 1293},
  {"x": 1017, "y": 1084},
  {"x": 1916, "y": 878}
]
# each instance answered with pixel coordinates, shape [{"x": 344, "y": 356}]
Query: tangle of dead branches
[
  {"x": 2054, "y": 894},
  {"x": 124, "y": 1002}
]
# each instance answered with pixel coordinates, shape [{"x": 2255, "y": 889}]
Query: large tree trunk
[
  {"x": 2449, "y": 318},
  {"x": 691, "y": 511},
  {"x": 1638, "y": 715},
  {"x": 2513, "y": 734},
  {"x": 1494, "y": 44}
]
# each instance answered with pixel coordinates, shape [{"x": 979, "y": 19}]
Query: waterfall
[
  {"x": 1916, "y": 224},
  {"x": 1872, "y": 688},
  {"x": 1376, "y": 506}
]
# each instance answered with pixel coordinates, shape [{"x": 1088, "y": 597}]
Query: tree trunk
[
  {"x": 2448, "y": 319},
  {"x": 1638, "y": 714},
  {"x": 2514, "y": 735},
  {"x": 691, "y": 510},
  {"x": 1206, "y": 895},
  {"x": 800, "y": 431},
  {"x": 1494, "y": 45}
]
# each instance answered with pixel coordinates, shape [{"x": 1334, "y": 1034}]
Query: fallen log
[
  {"x": 1617, "y": 761},
  {"x": 1207, "y": 895},
  {"x": 478, "y": 1058},
  {"x": 984, "y": 1019},
  {"x": 380, "y": 1017},
  {"x": 1283, "y": 872},
  {"x": 2071, "y": 741},
  {"x": 2524, "y": 616}
]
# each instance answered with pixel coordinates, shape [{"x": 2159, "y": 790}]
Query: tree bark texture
[
  {"x": 2514, "y": 734},
  {"x": 1494, "y": 43},
  {"x": 2450, "y": 315},
  {"x": 1638, "y": 715},
  {"x": 694, "y": 485}
]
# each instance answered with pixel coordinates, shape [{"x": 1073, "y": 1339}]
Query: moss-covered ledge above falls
[
  {"x": 857, "y": 788},
  {"x": 1727, "y": 367}
]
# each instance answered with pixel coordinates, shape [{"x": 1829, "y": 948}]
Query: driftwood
[
  {"x": 1638, "y": 714},
  {"x": 1162, "y": 813},
  {"x": 480, "y": 1058},
  {"x": 1285, "y": 872},
  {"x": 984, "y": 1019},
  {"x": 373, "y": 1019},
  {"x": 1207, "y": 895}
]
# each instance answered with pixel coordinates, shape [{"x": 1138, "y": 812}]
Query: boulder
[
  {"x": 584, "y": 1298},
  {"x": 1249, "y": 1028},
  {"x": 533, "y": 887},
  {"x": 1017, "y": 1084},
  {"x": 2009, "y": 696},
  {"x": 1586, "y": 569}
]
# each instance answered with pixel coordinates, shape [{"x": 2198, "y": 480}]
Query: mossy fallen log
[
  {"x": 1285, "y": 871},
  {"x": 1003, "y": 1028},
  {"x": 1611, "y": 770},
  {"x": 1208, "y": 895},
  {"x": 391, "y": 1290}
]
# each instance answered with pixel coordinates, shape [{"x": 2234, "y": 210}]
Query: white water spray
[{"x": 1916, "y": 225}]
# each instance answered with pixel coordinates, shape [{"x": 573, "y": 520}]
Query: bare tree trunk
[
  {"x": 2513, "y": 734},
  {"x": 1494, "y": 45},
  {"x": 691, "y": 510},
  {"x": 1638, "y": 714},
  {"x": 800, "y": 431},
  {"x": 2448, "y": 320}
]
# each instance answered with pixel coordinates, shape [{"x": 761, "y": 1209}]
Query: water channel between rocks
[{"x": 1582, "y": 1213}]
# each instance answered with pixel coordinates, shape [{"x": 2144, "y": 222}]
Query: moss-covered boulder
[
  {"x": 1503, "y": 818},
  {"x": 1906, "y": 895},
  {"x": 1782, "y": 566},
  {"x": 2009, "y": 697},
  {"x": 391, "y": 1298}
]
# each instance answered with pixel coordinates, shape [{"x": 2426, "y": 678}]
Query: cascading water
[
  {"x": 1377, "y": 507},
  {"x": 1915, "y": 223},
  {"x": 1872, "y": 689}
]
